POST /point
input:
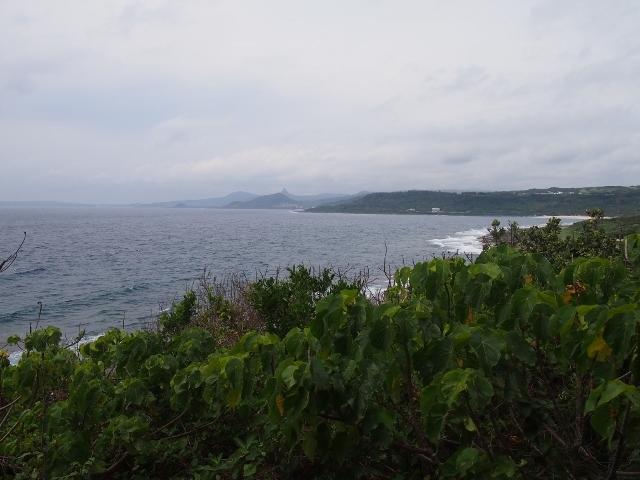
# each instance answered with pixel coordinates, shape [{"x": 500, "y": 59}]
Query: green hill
[
  {"x": 614, "y": 201},
  {"x": 616, "y": 227},
  {"x": 276, "y": 200}
]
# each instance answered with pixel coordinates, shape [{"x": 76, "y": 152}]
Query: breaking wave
[{"x": 462, "y": 242}]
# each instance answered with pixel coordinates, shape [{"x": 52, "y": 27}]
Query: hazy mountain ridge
[
  {"x": 43, "y": 203},
  {"x": 205, "y": 203},
  {"x": 238, "y": 199},
  {"x": 615, "y": 200},
  {"x": 275, "y": 200},
  {"x": 285, "y": 200},
  {"x": 311, "y": 198}
]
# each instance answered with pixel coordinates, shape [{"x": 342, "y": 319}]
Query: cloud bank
[{"x": 159, "y": 100}]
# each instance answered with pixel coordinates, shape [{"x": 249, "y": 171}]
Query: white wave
[
  {"x": 462, "y": 242},
  {"x": 375, "y": 289},
  {"x": 14, "y": 357}
]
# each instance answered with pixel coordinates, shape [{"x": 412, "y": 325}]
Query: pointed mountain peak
[{"x": 284, "y": 191}]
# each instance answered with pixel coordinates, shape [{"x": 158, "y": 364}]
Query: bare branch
[
  {"x": 5, "y": 264},
  {"x": 622, "y": 436}
]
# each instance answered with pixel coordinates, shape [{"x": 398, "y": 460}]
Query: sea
[{"x": 97, "y": 268}]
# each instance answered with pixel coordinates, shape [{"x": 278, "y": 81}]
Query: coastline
[{"x": 577, "y": 217}]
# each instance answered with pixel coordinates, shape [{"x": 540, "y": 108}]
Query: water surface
[{"x": 94, "y": 266}]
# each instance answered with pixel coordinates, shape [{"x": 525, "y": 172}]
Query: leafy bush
[
  {"x": 180, "y": 315},
  {"x": 283, "y": 304},
  {"x": 549, "y": 240}
]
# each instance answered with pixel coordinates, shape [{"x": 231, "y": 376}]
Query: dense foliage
[
  {"x": 501, "y": 369},
  {"x": 285, "y": 303},
  {"x": 618, "y": 227},
  {"x": 551, "y": 201},
  {"x": 591, "y": 240}
]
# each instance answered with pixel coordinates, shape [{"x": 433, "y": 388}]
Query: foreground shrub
[
  {"x": 283, "y": 304},
  {"x": 560, "y": 250},
  {"x": 497, "y": 369}
]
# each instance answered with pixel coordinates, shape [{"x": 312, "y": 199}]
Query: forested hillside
[
  {"x": 553, "y": 201},
  {"x": 615, "y": 227}
]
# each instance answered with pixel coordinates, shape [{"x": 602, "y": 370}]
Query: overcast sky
[{"x": 122, "y": 101}]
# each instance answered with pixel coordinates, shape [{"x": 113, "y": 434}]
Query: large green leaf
[
  {"x": 465, "y": 459},
  {"x": 93, "y": 394},
  {"x": 295, "y": 402},
  {"x": 618, "y": 332},
  {"x": 480, "y": 391},
  {"x": 407, "y": 325},
  {"x": 382, "y": 333},
  {"x": 520, "y": 347},
  {"x": 319, "y": 376},
  {"x": 487, "y": 344},
  {"x": 294, "y": 341},
  {"x": 434, "y": 422},
  {"x": 592, "y": 272},
  {"x": 291, "y": 375},
  {"x": 429, "y": 394},
  {"x": 491, "y": 270},
  {"x": 603, "y": 420},
  {"x": 374, "y": 417},
  {"x": 541, "y": 268},
  {"x": 613, "y": 389},
  {"x": 477, "y": 290},
  {"x": 632, "y": 249},
  {"x": 561, "y": 322},
  {"x": 419, "y": 276},
  {"x": 309, "y": 445},
  {"x": 539, "y": 321},
  {"x": 234, "y": 396},
  {"x": 87, "y": 394},
  {"x": 453, "y": 383},
  {"x": 134, "y": 391},
  {"x": 233, "y": 369},
  {"x": 441, "y": 354},
  {"x": 522, "y": 302}
]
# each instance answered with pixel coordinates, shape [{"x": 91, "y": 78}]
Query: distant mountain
[
  {"x": 234, "y": 200},
  {"x": 313, "y": 198},
  {"x": 276, "y": 200},
  {"x": 344, "y": 199},
  {"x": 287, "y": 201},
  {"x": 44, "y": 204},
  {"x": 205, "y": 203}
]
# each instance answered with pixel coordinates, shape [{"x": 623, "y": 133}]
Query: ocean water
[{"x": 93, "y": 267}]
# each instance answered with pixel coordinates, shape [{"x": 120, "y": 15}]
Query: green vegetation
[
  {"x": 283, "y": 304},
  {"x": 514, "y": 366},
  {"x": 552, "y": 201},
  {"x": 589, "y": 240},
  {"x": 614, "y": 227}
]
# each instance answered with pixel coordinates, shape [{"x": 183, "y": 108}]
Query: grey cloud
[
  {"x": 622, "y": 69},
  {"x": 22, "y": 77},
  {"x": 136, "y": 13},
  {"x": 462, "y": 160},
  {"x": 156, "y": 101},
  {"x": 466, "y": 78}
]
